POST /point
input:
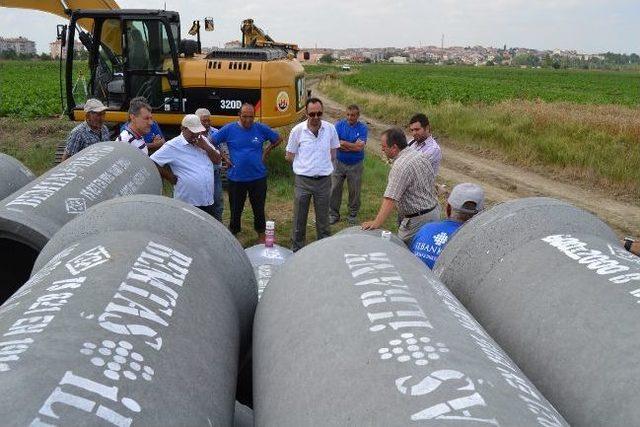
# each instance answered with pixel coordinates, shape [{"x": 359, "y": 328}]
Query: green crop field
[{"x": 468, "y": 85}]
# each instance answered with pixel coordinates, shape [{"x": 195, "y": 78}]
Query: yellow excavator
[{"x": 139, "y": 52}]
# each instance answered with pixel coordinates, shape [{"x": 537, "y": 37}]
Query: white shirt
[
  {"x": 193, "y": 168},
  {"x": 130, "y": 138},
  {"x": 313, "y": 154},
  {"x": 431, "y": 148}
]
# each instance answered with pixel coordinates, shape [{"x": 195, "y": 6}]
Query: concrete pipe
[
  {"x": 560, "y": 295},
  {"x": 381, "y": 234},
  {"x": 32, "y": 215},
  {"x": 243, "y": 416},
  {"x": 13, "y": 175},
  {"x": 354, "y": 331},
  {"x": 137, "y": 313},
  {"x": 265, "y": 262}
]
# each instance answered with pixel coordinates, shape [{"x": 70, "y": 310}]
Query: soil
[{"x": 503, "y": 182}]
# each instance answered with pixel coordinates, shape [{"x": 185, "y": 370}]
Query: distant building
[
  {"x": 18, "y": 45},
  {"x": 398, "y": 59},
  {"x": 54, "y": 49}
]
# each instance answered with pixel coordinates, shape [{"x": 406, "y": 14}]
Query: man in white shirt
[
  {"x": 312, "y": 148},
  {"x": 423, "y": 141},
  {"x": 187, "y": 162}
]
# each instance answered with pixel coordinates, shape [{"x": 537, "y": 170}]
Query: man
[
  {"x": 312, "y": 148},
  {"x": 154, "y": 138},
  {"x": 463, "y": 203},
  {"x": 140, "y": 120},
  {"x": 186, "y": 161},
  {"x": 349, "y": 165},
  {"x": 423, "y": 141},
  {"x": 247, "y": 173},
  {"x": 89, "y": 132},
  {"x": 218, "y": 202},
  {"x": 410, "y": 187}
]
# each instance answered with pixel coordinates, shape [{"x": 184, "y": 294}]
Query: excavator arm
[
  {"x": 253, "y": 36},
  {"x": 60, "y": 7}
]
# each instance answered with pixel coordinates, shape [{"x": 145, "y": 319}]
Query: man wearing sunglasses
[{"x": 312, "y": 148}]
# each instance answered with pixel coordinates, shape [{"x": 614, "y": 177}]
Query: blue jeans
[{"x": 218, "y": 199}]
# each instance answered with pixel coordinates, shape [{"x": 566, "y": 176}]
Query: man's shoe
[
  {"x": 333, "y": 220},
  {"x": 352, "y": 220}
]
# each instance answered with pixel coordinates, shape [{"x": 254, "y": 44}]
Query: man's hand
[
  {"x": 173, "y": 179},
  {"x": 370, "y": 225}
]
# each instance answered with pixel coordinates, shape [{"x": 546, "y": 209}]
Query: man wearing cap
[
  {"x": 247, "y": 173},
  {"x": 187, "y": 162},
  {"x": 89, "y": 132},
  {"x": 463, "y": 203},
  {"x": 140, "y": 121},
  {"x": 218, "y": 201},
  {"x": 410, "y": 187}
]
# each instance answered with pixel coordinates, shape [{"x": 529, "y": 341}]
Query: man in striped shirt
[{"x": 410, "y": 187}]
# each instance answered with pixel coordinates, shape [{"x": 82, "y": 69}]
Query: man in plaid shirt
[{"x": 89, "y": 132}]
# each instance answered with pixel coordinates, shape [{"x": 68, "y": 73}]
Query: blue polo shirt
[
  {"x": 432, "y": 238},
  {"x": 148, "y": 137},
  {"x": 349, "y": 133},
  {"x": 245, "y": 149}
]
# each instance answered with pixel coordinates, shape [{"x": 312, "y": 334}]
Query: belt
[
  {"x": 315, "y": 176},
  {"x": 422, "y": 212}
]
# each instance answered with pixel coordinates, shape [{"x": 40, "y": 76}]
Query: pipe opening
[{"x": 16, "y": 263}]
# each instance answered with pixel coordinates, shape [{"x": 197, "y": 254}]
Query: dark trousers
[
  {"x": 218, "y": 200},
  {"x": 238, "y": 191},
  {"x": 208, "y": 209},
  {"x": 353, "y": 175},
  {"x": 305, "y": 188}
]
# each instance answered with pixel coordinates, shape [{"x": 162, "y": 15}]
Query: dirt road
[{"x": 503, "y": 182}]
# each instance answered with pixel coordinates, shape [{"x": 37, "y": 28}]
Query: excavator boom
[{"x": 60, "y": 7}]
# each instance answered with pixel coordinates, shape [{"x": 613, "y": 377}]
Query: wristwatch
[{"x": 628, "y": 241}]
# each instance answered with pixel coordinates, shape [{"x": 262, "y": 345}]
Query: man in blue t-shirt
[
  {"x": 349, "y": 165},
  {"x": 247, "y": 173},
  {"x": 463, "y": 203}
]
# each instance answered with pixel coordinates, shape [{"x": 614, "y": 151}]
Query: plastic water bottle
[
  {"x": 385, "y": 234},
  {"x": 270, "y": 234}
]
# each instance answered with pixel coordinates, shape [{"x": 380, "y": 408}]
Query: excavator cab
[{"x": 130, "y": 54}]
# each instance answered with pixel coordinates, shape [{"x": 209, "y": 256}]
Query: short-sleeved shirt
[
  {"x": 431, "y": 239},
  {"x": 411, "y": 183},
  {"x": 245, "y": 149},
  {"x": 193, "y": 168},
  {"x": 148, "y": 137},
  {"x": 313, "y": 153},
  {"x": 83, "y": 136},
  {"x": 132, "y": 138},
  {"x": 351, "y": 133},
  {"x": 431, "y": 148}
]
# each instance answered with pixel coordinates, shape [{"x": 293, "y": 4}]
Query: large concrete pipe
[
  {"x": 13, "y": 175},
  {"x": 354, "y": 330},
  {"x": 32, "y": 215},
  {"x": 136, "y": 314},
  {"x": 266, "y": 261},
  {"x": 553, "y": 286},
  {"x": 380, "y": 233}
]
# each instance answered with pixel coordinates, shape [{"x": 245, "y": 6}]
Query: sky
[{"x": 588, "y": 26}]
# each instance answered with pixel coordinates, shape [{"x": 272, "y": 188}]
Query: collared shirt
[
  {"x": 431, "y": 148},
  {"x": 193, "y": 168},
  {"x": 130, "y": 137},
  {"x": 83, "y": 136},
  {"x": 432, "y": 238},
  {"x": 245, "y": 149},
  {"x": 148, "y": 137},
  {"x": 313, "y": 153},
  {"x": 411, "y": 183},
  {"x": 351, "y": 133}
]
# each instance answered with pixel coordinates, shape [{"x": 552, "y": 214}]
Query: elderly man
[
  {"x": 463, "y": 203},
  {"x": 218, "y": 201},
  {"x": 247, "y": 173},
  {"x": 312, "y": 148},
  {"x": 410, "y": 187},
  {"x": 89, "y": 132},
  {"x": 187, "y": 162},
  {"x": 423, "y": 141},
  {"x": 140, "y": 121},
  {"x": 349, "y": 165}
]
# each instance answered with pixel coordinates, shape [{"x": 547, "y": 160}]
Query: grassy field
[{"x": 593, "y": 144}]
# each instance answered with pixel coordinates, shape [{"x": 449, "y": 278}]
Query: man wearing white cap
[
  {"x": 89, "y": 132},
  {"x": 187, "y": 162},
  {"x": 463, "y": 203}
]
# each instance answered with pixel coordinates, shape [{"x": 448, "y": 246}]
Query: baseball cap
[
  {"x": 466, "y": 192},
  {"x": 202, "y": 112},
  {"x": 93, "y": 105},
  {"x": 192, "y": 122}
]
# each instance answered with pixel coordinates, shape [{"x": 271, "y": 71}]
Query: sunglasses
[{"x": 318, "y": 114}]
